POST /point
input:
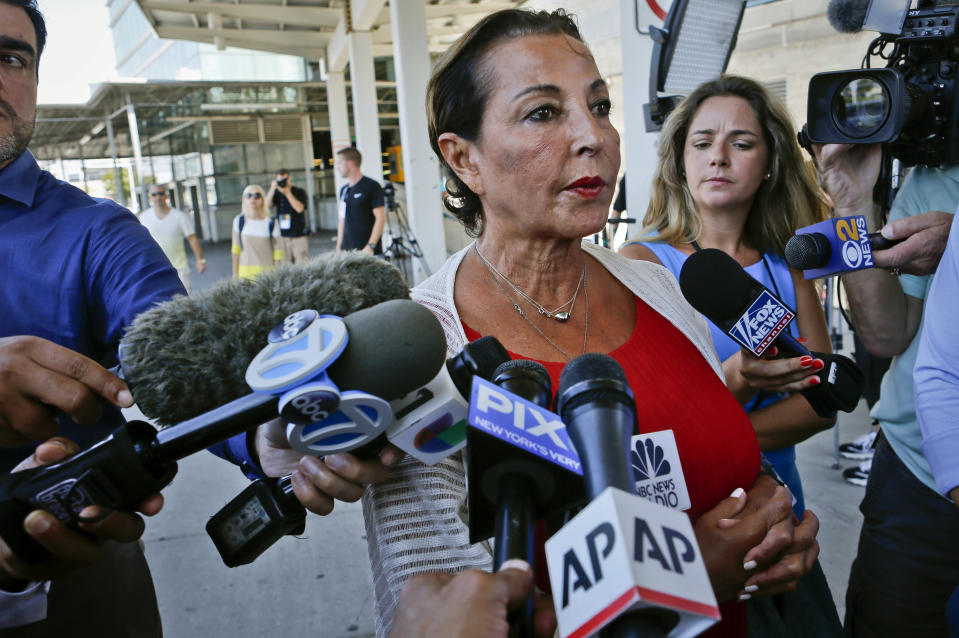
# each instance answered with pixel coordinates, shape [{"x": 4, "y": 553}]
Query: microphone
[
  {"x": 834, "y": 247},
  {"x": 717, "y": 286},
  {"x": 188, "y": 355},
  {"x": 508, "y": 435},
  {"x": 136, "y": 460},
  {"x": 847, "y": 16},
  {"x": 430, "y": 422},
  {"x": 623, "y": 565}
]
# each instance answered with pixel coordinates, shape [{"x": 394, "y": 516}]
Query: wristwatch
[{"x": 373, "y": 246}]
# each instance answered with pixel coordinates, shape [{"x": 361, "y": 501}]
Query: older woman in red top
[{"x": 519, "y": 115}]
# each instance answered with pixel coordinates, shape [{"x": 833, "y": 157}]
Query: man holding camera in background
[{"x": 289, "y": 205}]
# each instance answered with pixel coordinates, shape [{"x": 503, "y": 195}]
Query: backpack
[{"x": 242, "y": 220}]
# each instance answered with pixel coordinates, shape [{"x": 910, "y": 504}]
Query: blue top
[
  {"x": 781, "y": 284},
  {"x": 924, "y": 189},
  {"x": 937, "y": 370},
  {"x": 76, "y": 270}
]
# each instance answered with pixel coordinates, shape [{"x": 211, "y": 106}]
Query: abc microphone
[
  {"x": 623, "y": 566},
  {"x": 717, "y": 286},
  {"x": 189, "y": 355},
  {"x": 834, "y": 247}
]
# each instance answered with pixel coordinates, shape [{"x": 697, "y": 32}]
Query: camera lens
[{"x": 861, "y": 107}]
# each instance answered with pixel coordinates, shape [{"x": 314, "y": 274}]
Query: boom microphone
[
  {"x": 623, "y": 566},
  {"x": 847, "y": 16},
  {"x": 834, "y": 247},
  {"x": 188, "y": 355},
  {"x": 717, "y": 286}
]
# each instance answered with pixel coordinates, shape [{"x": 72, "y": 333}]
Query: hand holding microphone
[
  {"x": 38, "y": 376},
  {"x": 718, "y": 287},
  {"x": 469, "y": 604},
  {"x": 68, "y": 548}
]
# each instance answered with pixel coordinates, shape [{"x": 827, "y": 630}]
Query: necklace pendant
[{"x": 561, "y": 317}]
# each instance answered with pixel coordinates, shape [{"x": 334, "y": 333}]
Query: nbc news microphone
[
  {"x": 717, "y": 286},
  {"x": 834, "y": 247},
  {"x": 623, "y": 566}
]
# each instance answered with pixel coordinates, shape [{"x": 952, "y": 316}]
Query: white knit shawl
[{"x": 416, "y": 520}]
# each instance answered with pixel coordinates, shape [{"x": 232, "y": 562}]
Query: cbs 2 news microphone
[
  {"x": 620, "y": 554},
  {"x": 834, "y": 247}
]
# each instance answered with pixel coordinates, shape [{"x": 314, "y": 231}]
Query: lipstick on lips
[{"x": 587, "y": 187}]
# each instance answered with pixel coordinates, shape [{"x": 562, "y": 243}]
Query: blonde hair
[
  {"x": 245, "y": 206},
  {"x": 791, "y": 198}
]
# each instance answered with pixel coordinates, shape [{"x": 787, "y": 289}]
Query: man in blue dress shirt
[{"x": 76, "y": 271}]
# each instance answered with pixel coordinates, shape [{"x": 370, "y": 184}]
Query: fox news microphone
[
  {"x": 623, "y": 566},
  {"x": 430, "y": 422},
  {"x": 834, "y": 247},
  {"x": 189, "y": 355},
  {"x": 717, "y": 286}
]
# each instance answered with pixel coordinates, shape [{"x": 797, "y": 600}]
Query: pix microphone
[
  {"x": 430, "y": 422},
  {"x": 834, "y": 247},
  {"x": 509, "y": 436},
  {"x": 189, "y": 355},
  {"x": 623, "y": 566},
  {"x": 717, "y": 286}
]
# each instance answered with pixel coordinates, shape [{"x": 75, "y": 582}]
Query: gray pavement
[{"x": 320, "y": 585}]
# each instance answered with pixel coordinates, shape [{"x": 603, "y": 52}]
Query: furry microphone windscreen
[{"x": 189, "y": 355}]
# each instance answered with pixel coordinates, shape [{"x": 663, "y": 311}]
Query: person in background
[
  {"x": 362, "y": 206},
  {"x": 731, "y": 176},
  {"x": 289, "y": 203},
  {"x": 169, "y": 227},
  {"x": 256, "y": 237},
  {"x": 906, "y": 565}
]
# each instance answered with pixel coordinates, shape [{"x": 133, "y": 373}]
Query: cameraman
[
  {"x": 906, "y": 566},
  {"x": 289, "y": 203}
]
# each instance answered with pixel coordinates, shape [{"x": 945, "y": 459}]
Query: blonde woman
[
  {"x": 731, "y": 176},
  {"x": 256, "y": 236}
]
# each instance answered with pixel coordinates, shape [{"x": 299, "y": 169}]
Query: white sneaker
[
  {"x": 862, "y": 448},
  {"x": 858, "y": 475}
]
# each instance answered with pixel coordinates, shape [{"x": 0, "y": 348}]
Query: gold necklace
[
  {"x": 493, "y": 272},
  {"x": 558, "y": 314}
]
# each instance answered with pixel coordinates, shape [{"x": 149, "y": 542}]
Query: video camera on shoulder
[{"x": 910, "y": 105}]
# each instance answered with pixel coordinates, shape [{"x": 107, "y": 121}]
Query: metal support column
[
  {"x": 366, "y": 121},
  {"x": 420, "y": 167}
]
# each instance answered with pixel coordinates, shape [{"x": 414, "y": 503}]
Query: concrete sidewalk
[{"x": 320, "y": 585}]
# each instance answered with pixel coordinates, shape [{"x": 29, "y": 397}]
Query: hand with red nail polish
[{"x": 769, "y": 374}]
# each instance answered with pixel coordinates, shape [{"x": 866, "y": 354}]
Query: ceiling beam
[
  {"x": 290, "y": 15},
  {"x": 366, "y": 13}
]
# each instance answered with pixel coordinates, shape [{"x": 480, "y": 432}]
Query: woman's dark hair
[
  {"x": 457, "y": 92},
  {"x": 39, "y": 25}
]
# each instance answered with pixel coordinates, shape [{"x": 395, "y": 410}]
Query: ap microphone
[
  {"x": 430, "y": 422},
  {"x": 188, "y": 355},
  {"x": 847, "y": 16},
  {"x": 623, "y": 566},
  {"x": 834, "y": 247},
  {"x": 717, "y": 286}
]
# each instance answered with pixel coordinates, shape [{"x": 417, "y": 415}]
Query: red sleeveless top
[{"x": 676, "y": 389}]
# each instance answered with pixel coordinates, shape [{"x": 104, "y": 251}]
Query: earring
[{"x": 768, "y": 175}]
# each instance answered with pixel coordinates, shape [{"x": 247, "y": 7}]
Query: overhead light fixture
[{"x": 693, "y": 47}]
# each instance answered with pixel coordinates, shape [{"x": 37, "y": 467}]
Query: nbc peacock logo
[{"x": 649, "y": 460}]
